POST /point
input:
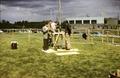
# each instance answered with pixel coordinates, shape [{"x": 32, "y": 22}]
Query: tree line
[{"x": 4, "y": 24}]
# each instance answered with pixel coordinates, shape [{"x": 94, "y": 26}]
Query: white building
[{"x": 86, "y": 20}]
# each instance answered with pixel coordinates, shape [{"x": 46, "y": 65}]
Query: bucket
[{"x": 14, "y": 44}]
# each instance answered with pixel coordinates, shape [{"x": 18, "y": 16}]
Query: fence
[
  {"x": 105, "y": 35},
  {"x": 22, "y": 30},
  {"x": 111, "y": 36}
]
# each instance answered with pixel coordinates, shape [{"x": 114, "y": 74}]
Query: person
[
  {"x": 84, "y": 35},
  {"x": 67, "y": 28},
  {"x": 52, "y": 29},
  {"x": 67, "y": 35},
  {"x": 53, "y": 26},
  {"x": 45, "y": 37}
]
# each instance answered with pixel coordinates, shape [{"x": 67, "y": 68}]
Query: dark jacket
[{"x": 68, "y": 28}]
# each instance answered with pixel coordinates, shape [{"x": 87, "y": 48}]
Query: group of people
[
  {"x": 48, "y": 37},
  {"x": 47, "y": 30}
]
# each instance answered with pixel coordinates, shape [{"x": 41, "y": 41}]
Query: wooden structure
[
  {"x": 60, "y": 35},
  {"x": 61, "y": 46}
]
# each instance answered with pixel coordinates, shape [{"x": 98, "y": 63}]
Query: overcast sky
[{"x": 38, "y": 10}]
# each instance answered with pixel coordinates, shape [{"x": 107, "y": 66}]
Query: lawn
[{"x": 28, "y": 61}]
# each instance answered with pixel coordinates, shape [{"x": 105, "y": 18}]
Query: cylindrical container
[{"x": 14, "y": 45}]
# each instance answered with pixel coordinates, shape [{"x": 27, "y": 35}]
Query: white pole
[
  {"x": 51, "y": 17},
  {"x": 29, "y": 36},
  {"x": 59, "y": 11}
]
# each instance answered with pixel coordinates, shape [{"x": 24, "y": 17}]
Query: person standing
[
  {"x": 53, "y": 26},
  {"x": 67, "y": 35},
  {"x": 45, "y": 30},
  {"x": 52, "y": 29}
]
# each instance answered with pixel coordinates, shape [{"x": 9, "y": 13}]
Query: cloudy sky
[{"x": 38, "y": 10}]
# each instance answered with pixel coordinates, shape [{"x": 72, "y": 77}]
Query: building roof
[{"x": 84, "y": 18}]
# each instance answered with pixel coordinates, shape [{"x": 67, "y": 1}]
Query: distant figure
[{"x": 84, "y": 35}]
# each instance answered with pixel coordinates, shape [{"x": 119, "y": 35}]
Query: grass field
[{"x": 94, "y": 61}]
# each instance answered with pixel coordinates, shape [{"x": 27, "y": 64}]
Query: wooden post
[
  {"x": 118, "y": 32},
  {"x": 103, "y": 32},
  {"x": 87, "y": 32},
  {"x": 113, "y": 40},
  {"x": 29, "y": 35},
  {"x": 102, "y": 39},
  {"x": 107, "y": 37}
]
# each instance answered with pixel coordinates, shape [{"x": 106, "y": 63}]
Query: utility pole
[
  {"x": 51, "y": 15},
  {"x": 59, "y": 12}
]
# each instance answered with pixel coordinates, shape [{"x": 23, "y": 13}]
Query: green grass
[{"x": 94, "y": 61}]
